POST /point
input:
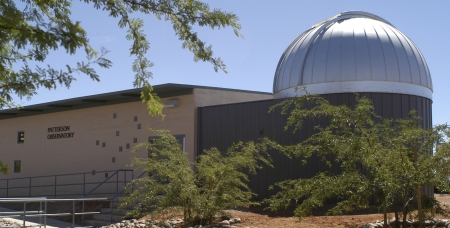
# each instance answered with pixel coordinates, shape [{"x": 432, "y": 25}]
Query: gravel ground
[{"x": 6, "y": 223}]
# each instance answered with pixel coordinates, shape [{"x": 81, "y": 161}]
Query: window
[
  {"x": 135, "y": 118},
  {"x": 21, "y": 137},
  {"x": 113, "y": 159},
  {"x": 128, "y": 146},
  {"x": 17, "y": 166},
  {"x": 117, "y": 133},
  {"x": 134, "y": 140},
  {"x": 120, "y": 149},
  {"x": 97, "y": 142},
  {"x": 103, "y": 144},
  {"x": 181, "y": 141},
  {"x": 114, "y": 115},
  {"x": 139, "y": 126}
]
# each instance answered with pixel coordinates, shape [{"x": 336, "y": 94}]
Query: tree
[
  {"x": 389, "y": 159},
  {"x": 30, "y": 29},
  {"x": 4, "y": 168},
  {"x": 171, "y": 185}
]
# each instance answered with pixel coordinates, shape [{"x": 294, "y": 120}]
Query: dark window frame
[
  {"x": 17, "y": 166},
  {"x": 21, "y": 138}
]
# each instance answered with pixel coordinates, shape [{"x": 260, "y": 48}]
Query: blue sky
[{"x": 268, "y": 27}]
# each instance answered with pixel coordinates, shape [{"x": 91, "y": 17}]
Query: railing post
[
  {"x": 7, "y": 188},
  {"x": 132, "y": 178},
  {"x": 24, "y": 210},
  {"x": 110, "y": 217},
  {"x": 117, "y": 183},
  {"x": 125, "y": 179},
  {"x": 45, "y": 216},
  {"x": 82, "y": 216},
  {"x": 73, "y": 213},
  {"x": 29, "y": 188},
  {"x": 40, "y": 212}
]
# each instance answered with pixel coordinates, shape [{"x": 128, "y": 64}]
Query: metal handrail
[
  {"x": 59, "y": 177},
  {"x": 121, "y": 192},
  {"x": 115, "y": 173},
  {"x": 43, "y": 213}
]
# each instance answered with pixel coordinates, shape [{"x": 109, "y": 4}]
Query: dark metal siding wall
[{"x": 221, "y": 126}]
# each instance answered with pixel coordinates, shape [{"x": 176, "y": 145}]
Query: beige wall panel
[
  {"x": 42, "y": 156},
  {"x": 206, "y": 97}
]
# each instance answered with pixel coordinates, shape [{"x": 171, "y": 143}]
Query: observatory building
[{"x": 352, "y": 52}]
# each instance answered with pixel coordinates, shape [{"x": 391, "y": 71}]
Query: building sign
[{"x": 61, "y": 134}]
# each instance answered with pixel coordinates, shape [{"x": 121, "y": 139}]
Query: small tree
[
  {"x": 171, "y": 185},
  {"x": 382, "y": 157},
  {"x": 4, "y": 168}
]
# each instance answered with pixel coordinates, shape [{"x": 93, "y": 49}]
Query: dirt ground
[
  {"x": 255, "y": 219},
  {"x": 264, "y": 219}
]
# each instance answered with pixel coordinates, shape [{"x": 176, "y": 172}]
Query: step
[
  {"x": 96, "y": 223},
  {"x": 107, "y": 217}
]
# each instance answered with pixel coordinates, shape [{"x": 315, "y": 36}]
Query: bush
[{"x": 219, "y": 181}]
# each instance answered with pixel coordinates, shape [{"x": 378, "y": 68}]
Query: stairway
[{"x": 104, "y": 218}]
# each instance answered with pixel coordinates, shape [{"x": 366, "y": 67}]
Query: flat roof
[{"x": 118, "y": 97}]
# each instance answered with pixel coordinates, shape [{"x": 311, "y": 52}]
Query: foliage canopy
[
  {"x": 219, "y": 181},
  {"x": 30, "y": 29},
  {"x": 389, "y": 159}
]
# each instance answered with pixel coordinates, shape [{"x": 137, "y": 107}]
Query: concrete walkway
[{"x": 34, "y": 221}]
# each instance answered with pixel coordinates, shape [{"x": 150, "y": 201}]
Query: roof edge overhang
[{"x": 117, "y": 97}]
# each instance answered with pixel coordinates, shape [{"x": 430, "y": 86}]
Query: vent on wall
[{"x": 171, "y": 103}]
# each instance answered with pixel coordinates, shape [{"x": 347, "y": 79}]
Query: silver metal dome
[{"x": 353, "y": 52}]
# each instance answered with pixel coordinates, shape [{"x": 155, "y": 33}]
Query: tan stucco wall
[
  {"x": 207, "y": 97},
  {"x": 42, "y": 156}
]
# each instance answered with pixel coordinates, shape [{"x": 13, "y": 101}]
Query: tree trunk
[
  {"x": 419, "y": 206},
  {"x": 418, "y": 192},
  {"x": 405, "y": 211},
  {"x": 385, "y": 217},
  {"x": 397, "y": 221}
]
